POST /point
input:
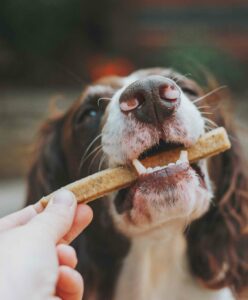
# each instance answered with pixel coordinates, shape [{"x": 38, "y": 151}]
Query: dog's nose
[{"x": 150, "y": 100}]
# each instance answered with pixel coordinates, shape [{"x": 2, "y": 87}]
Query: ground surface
[{"x": 21, "y": 113}]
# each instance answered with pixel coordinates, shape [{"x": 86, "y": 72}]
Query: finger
[
  {"x": 82, "y": 219},
  {"x": 70, "y": 284},
  {"x": 19, "y": 218},
  {"x": 57, "y": 218},
  {"x": 67, "y": 256}
]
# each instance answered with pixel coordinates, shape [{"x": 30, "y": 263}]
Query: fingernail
[{"x": 64, "y": 197}]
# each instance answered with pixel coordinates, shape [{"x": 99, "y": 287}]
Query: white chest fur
[{"x": 156, "y": 269}]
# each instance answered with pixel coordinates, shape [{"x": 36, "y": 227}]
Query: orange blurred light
[{"x": 101, "y": 66}]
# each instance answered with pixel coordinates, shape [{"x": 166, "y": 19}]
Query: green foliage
[
  {"x": 196, "y": 58},
  {"x": 38, "y": 26}
]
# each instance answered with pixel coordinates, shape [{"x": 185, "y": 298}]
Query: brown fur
[{"x": 216, "y": 241}]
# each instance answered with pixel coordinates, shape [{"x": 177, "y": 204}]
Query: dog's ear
[
  {"x": 217, "y": 242},
  {"x": 48, "y": 171}
]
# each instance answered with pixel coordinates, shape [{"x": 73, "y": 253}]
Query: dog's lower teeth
[
  {"x": 183, "y": 157},
  {"x": 152, "y": 170},
  {"x": 143, "y": 170},
  {"x": 157, "y": 169},
  {"x": 139, "y": 167}
]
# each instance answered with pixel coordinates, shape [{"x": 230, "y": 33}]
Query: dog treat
[{"x": 110, "y": 180}]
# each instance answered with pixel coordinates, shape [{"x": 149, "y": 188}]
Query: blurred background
[{"x": 50, "y": 49}]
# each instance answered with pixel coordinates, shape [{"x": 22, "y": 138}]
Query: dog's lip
[
  {"x": 171, "y": 173},
  {"x": 155, "y": 183},
  {"x": 171, "y": 168},
  {"x": 167, "y": 179},
  {"x": 159, "y": 181}
]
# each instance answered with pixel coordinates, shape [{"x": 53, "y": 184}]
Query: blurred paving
[
  {"x": 22, "y": 112},
  {"x": 12, "y": 195}
]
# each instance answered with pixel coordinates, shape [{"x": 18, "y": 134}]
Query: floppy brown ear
[
  {"x": 217, "y": 242},
  {"x": 48, "y": 171}
]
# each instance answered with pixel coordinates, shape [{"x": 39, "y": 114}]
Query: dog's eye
[
  {"x": 86, "y": 115},
  {"x": 90, "y": 113},
  {"x": 189, "y": 92}
]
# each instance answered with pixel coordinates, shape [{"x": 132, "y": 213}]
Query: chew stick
[{"x": 110, "y": 180}]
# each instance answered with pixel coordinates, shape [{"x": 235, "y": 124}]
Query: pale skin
[{"x": 36, "y": 261}]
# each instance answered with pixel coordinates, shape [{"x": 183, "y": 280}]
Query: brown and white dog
[{"x": 176, "y": 233}]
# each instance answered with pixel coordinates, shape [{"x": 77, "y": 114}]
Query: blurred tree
[
  {"x": 42, "y": 36},
  {"x": 38, "y": 26},
  {"x": 193, "y": 58}
]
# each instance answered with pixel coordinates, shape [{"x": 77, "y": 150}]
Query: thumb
[{"x": 56, "y": 220}]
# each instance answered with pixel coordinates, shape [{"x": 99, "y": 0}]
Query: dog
[{"x": 178, "y": 232}]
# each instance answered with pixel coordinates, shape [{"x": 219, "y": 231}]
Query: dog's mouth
[
  {"x": 169, "y": 170},
  {"x": 161, "y": 182},
  {"x": 160, "y": 147}
]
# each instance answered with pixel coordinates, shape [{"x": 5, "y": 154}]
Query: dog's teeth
[
  {"x": 184, "y": 156},
  {"x": 157, "y": 169},
  {"x": 149, "y": 170},
  {"x": 143, "y": 170},
  {"x": 139, "y": 167}
]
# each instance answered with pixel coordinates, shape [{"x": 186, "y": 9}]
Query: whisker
[
  {"x": 210, "y": 93},
  {"x": 208, "y": 127},
  {"x": 91, "y": 153},
  {"x": 207, "y": 130},
  {"x": 173, "y": 76},
  {"x": 212, "y": 126},
  {"x": 73, "y": 74},
  {"x": 101, "y": 161},
  {"x": 233, "y": 138},
  {"x": 185, "y": 76},
  {"x": 181, "y": 77},
  {"x": 210, "y": 122},
  {"x": 176, "y": 79},
  {"x": 103, "y": 98},
  {"x": 92, "y": 142},
  {"x": 204, "y": 106},
  {"x": 93, "y": 159},
  {"x": 206, "y": 113}
]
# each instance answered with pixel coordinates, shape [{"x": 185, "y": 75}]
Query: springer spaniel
[{"x": 175, "y": 234}]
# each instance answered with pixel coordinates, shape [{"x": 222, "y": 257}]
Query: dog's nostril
[
  {"x": 130, "y": 104},
  {"x": 169, "y": 93},
  {"x": 151, "y": 99}
]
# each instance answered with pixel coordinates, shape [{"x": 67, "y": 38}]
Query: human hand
[{"x": 36, "y": 261}]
